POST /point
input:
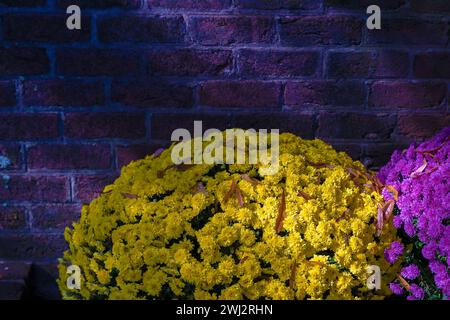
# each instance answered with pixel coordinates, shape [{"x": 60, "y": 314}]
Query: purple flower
[
  {"x": 411, "y": 272},
  {"x": 394, "y": 252},
  {"x": 417, "y": 291},
  {"x": 396, "y": 288},
  {"x": 421, "y": 174}
]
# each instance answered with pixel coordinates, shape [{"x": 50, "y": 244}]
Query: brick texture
[{"x": 76, "y": 106}]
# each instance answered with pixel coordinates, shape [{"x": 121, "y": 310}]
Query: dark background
[{"x": 75, "y": 106}]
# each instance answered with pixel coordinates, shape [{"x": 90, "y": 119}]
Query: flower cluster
[
  {"x": 221, "y": 231},
  {"x": 417, "y": 179}
]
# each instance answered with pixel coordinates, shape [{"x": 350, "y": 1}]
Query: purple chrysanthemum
[
  {"x": 421, "y": 176},
  {"x": 411, "y": 272},
  {"x": 393, "y": 252},
  {"x": 417, "y": 291},
  {"x": 396, "y": 288}
]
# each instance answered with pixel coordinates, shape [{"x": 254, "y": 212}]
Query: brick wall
[{"x": 75, "y": 106}]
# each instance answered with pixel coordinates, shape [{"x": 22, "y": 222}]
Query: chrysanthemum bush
[
  {"x": 418, "y": 182},
  {"x": 219, "y": 231}
]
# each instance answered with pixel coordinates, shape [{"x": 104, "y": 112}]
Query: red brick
[
  {"x": 63, "y": 93},
  {"x": 12, "y": 290},
  {"x": 101, "y": 4},
  {"x": 44, "y": 28},
  {"x": 54, "y": 216},
  {"x": 378, "y": 154},
  {"x": 10, "y": 158},
  {"x": 87, "y": 188},
  {"x": 348, "y": 64},
  {"x": 432, "y": 65},
  {"x": 165, "y": 123},
  {"x": 189, "y": 4},
  {"x": 63, "y": 156},
  {"x": 282, "y": 63},
  {"x": 355, "y": 126},
  {"x": 105, "y": 125},
  {"x": 363, "y": 4},
  {"x": 392, "y": 64},
  {"x": 32, "y": 246},
  {"x": 300, "y": 124},
  {"x": 352, "y": 149},
  {"x": 127, "y": 154},
  {"x": 23, "y": 61},
  {"x": 435, "y": 6},
  {"x": 422, "y": 125},
  {"x": 148, "y": 29},
  {"x": 34, "y": 188},
  {"x": 240, "y": 94},
  {"x": 7, "y": 94},
  {"x": 12, "y": 218},
  {"x": 410, "y": 32},
  {"x": 400, "y": 94},
  {"x": 152, "y": 94},
  {"x": 14, "y": 270},
  {"x": 190, "y": 62},
  {"x": 278, "y": 4},
  {"x": 325, "y": 93},
  {"x": 95, "y": 62},
  {"x": 227, "y": 30},
  {"x": 23, "y": 3},
  {"x": 22, "y": 126},
  {"x": 324, "y": 30}
]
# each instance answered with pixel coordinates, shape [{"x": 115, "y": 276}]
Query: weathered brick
[
  {"x": 87, "y": 188},
  {"x": 278, "y": 4},
  {"x": 190, "y": 4},
  {"x": 7, "y": 94},
  {"x": 190, "y": 62},
  {"x": 22, "y": 126},
  {"x": 325, "y": 93},
  {"x": 378, "y": 154},
  {"x": 363, "y": 4},
  {"x": 54, "y": 216},
  {"x": 432, "y": 65},
  {"x": 12, "y": 290},
  {"x": 301, "y": 124},
  {"x": 354, "y": 150},
  {"x": 282, "y": 63},
  {"x": 127, "y": 154},
  {"x": 101, "y": 4},
  {"x": 23, "y": 61},
  {"x": 240, "y": 94},
  {"x": 400, "y": 94},
  {"x": 164, "y": 124},
  {"x": 148, "y": 29},
  {"x": 355, "y": 126},
  {"x": 323, "y": 30},
  {"x": 63, "y": 93},
  {"x": 14, "y": 270},
  {"x": 95, "y": 62},
  {"x": 44, "y": 28},
  {"x": 349, "y": 64},
  {"x": 391, "y": 64},
  {"x": 435, "y": 6},
  {"x": 421, "y": 125},
  {"x": 23, "y": 3},
  {"x": 63, "y": 156},
  {"x": 32, "y": 246},
  {"x": 10, "y": 158},
  {"x": 228, "y": 30},
  {"x": 410, "y": 32},
  {"x": 34, "y": 188},
  {"x": 12, "y": 218},
  {"x": 105, "y": 125},
  {"x": 152, "y": 94}
]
